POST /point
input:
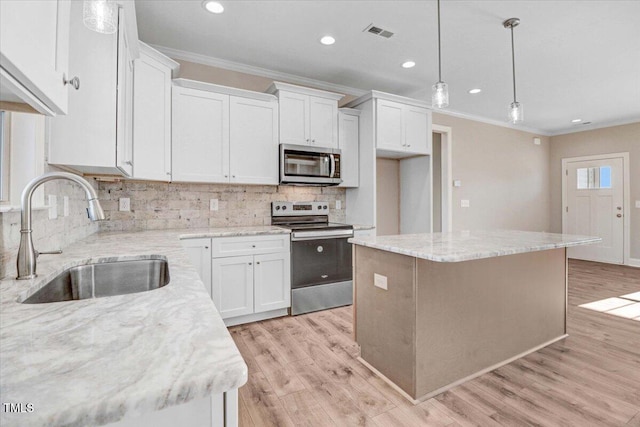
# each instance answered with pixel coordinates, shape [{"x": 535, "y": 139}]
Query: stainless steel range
[{"x": 321, "y": 270}]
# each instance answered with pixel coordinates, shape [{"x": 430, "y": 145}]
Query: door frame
[
  {"x": 446, "y": 162},
  {"x": 626, "y": 195}
]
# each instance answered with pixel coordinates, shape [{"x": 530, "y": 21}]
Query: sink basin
[{"x": 104, "y": 280}]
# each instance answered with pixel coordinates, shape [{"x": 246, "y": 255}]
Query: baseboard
[
  {"x": 462, "y": 380},
  {"x": 256, "y": 317},
  {"x": 634, "y": 262}
]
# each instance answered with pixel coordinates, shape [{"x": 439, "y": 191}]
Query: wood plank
[
  {"x": 263, "y": 405},
  {"x": 304, "y": 410}
]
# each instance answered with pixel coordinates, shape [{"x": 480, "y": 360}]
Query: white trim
[
  {"x": 255, "y": 317},
  {"x": 226, "y": 90},
  {"x": 15, "y": 87},
  {"x": 160, "y": 57},
  {"x": 602, "y": 125},
  {"x": 275, "y": 87},
  {"x": 257, "y": 71},
  {"x": 626, "y": 177},
  {"x": 376, "y": 94},
  {"x": 350, "y": 111},
  {"x": 633, "y": 262},
  {"x": 504, "y": 124},
  {"x": 446, "y": 168}
]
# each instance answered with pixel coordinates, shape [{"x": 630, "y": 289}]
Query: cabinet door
[
  {"x": 200, "y": 136},
  {"x": 294, "y": 118},
  {"x": 417, "y": 129},
  {"x": 253, "y": 141},
  {"x": 232, "y": 285},
  {"x": 124, "y": 124},
  {"x": 34, "y": 47},
  {"x": 152, "y": 119},
  {"x": 272, "y": 281},
  {"x": 389, "y": 125},
  {"x": 323, "y": 122},
  {"x": 85, "y": 138},
  {"x": 199, "y": 253},
  {"x": 349, "y": 145}
]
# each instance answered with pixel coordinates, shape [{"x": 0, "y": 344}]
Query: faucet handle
[{"x": 56, "y": 252}]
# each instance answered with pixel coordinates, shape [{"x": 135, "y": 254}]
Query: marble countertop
[
  {"x": 468, "y": 245},
  {"x": 363, "y": 227},
  {"x": 90, "y": 362},
  {"x": 233, "y": 231}
]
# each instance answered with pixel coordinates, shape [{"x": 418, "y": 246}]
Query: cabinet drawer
[{"x": 249, "y": 245}]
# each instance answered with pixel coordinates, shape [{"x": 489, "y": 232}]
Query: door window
[{"x": 594, "y": 178}]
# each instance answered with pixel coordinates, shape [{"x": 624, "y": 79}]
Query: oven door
[
  {"x": 309, "y": 165},
  {"x": 320, "y": 260}
]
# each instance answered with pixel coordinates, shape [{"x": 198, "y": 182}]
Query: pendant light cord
[
  {"x": 513, "y": 64},
  {"x": 439, "y": 55}
]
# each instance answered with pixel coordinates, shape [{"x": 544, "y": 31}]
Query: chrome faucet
[{"x": 27, "y": 254}]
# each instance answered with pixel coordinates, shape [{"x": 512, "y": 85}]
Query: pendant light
[
  {"x": 440, "y": 90},
  {"x": 100, "y": 16},
  {"x": 516, "y": 113}
]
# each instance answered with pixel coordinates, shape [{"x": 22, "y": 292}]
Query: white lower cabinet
[
  {"x": 248, "y": 277},
  {"x": 218, "y": 410}
]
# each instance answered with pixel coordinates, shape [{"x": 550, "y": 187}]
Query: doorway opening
[{"x": 442, "y": 179}]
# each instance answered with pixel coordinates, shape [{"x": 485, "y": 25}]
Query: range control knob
[
  {"x": 325, "y": 206},
  {"x": 284, "y": 208},
  {"x": 277, "y": 208}
]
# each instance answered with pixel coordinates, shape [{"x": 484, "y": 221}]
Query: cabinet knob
[
  {"x": 129, "y": 162},
  {"x": 206, "y": 247},
  {"x": 168, "y": 173},
  {"x": 258, "y": 262},
  {"x": 249, "y": 263},
  {"x": 313, "y": 140},
  {"x": 619, "y": 215},
  {"x": 233, "y": 176},
  {"x": 226, "y": 176},
  {"x": 307, "y": 139},
  {"x": 75, "y": 82}
]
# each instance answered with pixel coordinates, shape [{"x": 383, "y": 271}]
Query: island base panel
[{"x": 440, "y": 323}]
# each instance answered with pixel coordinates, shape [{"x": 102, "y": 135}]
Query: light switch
[
  {"x": 380, "y": 281},
  {"x": 457, "y": 183},
  {"x": 125, "y": 204},
  {"x": 638, "y": 204},
  {"x": 464, "y": 203},
  {"x": 338, "y": 205},
  {"x": 213, "y": 204}
]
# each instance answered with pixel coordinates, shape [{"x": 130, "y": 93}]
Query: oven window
[
  {"x": 298, "y": 163},
  {"x": 315, "y": 262}
]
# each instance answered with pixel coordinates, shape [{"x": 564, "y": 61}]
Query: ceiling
[{"x": 574, "y": 59}]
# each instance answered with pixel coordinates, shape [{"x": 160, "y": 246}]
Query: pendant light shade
[
  {"x": 516, "y": 112},
  {"x": 100, "y": 16},
  {"x": 440, "y": 90}
]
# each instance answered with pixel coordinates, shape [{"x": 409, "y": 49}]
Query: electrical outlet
[
  {"x": 125, "y": 204},
  {"x": 464, "y": 203},
  {"x": 213, "y": 204},
  {"x": 53, "y": 206},
  {"x": 638, "y": 204},
  {"x": 338, "y": 205},
  {"x": 457, "y": 183},
  {"x": 380, "y": 281},
  {"x": 65, "y": 205}
]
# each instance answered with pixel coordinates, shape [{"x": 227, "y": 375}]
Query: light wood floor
[{"x": 303, "y": 372}]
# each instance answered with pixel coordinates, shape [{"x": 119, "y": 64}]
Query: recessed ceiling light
[
  {"x": 576, "y": 120},
  {"x": 213, "y": 6},
  {"x": 408, "y": 64},
  {"x": 475, "y": 91},
  {"x": 327, "y": 40}
]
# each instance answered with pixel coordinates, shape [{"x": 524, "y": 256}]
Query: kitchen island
[
  {"x": 434, "y": 310},
  {"x": 157, "y": 358}
]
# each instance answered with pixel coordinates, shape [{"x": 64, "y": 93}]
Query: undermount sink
[{"x": 104, "y": 280}]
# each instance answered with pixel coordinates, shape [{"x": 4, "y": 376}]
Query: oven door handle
[
  {"x": 297, "y": 236},
  {"x": 333, "y": 165}
]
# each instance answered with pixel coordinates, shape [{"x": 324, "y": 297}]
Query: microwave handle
[{"x": 333, "y": 165}]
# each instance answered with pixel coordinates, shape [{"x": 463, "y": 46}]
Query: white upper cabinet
[
  {"x": 222, "y": 134},
  {"x": 253, "y": 157},
  {"x": 349, "y": 144},
  {"x": 403, "y": 127},
  {"x": 307, "y": 116},
  {"x": 200, "y": 135},
  {"x": 96, "y": 134},
  {"x": 152, "y": 115},
  {"x": 34, "y": 49}
]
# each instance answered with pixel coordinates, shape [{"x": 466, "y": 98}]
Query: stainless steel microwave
[{"x": 306, "y": 165}]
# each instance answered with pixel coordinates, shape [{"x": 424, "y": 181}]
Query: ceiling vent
[{"x": 378, "y": 31}]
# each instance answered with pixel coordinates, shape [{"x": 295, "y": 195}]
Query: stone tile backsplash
[{"x": 156, "y": 205}]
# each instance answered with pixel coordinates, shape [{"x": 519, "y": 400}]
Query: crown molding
[
  {"x": 480, "y": 119},
  {"x": 586, "y": 128},
  {"x": 257, "y": 71}
]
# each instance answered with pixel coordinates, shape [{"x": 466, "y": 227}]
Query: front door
[{"x": 594, "y": 190}]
